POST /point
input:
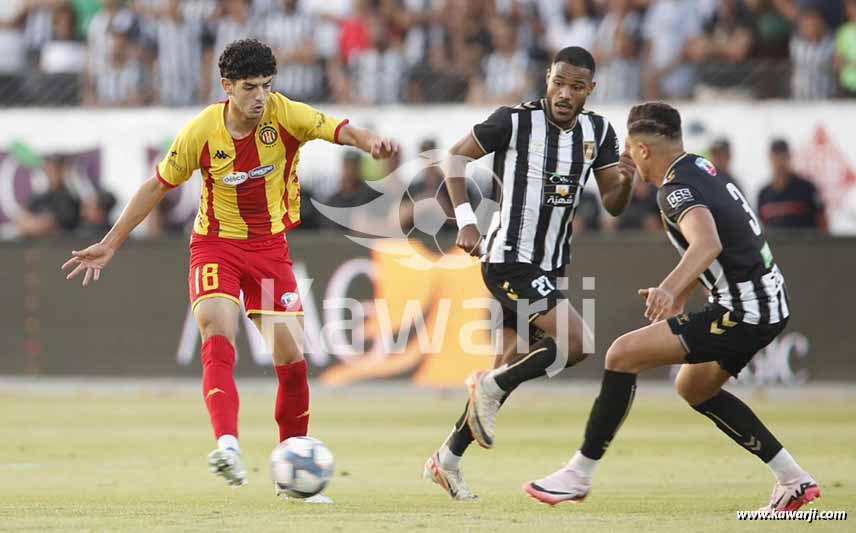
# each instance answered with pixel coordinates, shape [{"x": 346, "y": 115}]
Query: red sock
[
  {"x": 292, "y": 400},
  {"x": 218, "y": 385}
]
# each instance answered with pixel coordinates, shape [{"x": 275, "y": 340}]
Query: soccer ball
[{"x": 301, "y": 466}]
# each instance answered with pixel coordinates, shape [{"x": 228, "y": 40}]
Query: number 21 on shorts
[{"x": 207, "y": 276}]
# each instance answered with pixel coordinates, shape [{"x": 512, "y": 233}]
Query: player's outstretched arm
[
  {"x": 92, "y": 259},
  {"x": 454, "y": 168},
  {"x": 368, "y": 141},
  {"x": 699, "y": 228}
]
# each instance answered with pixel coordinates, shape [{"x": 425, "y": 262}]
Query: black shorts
[
  {"x": 523, "y": 287},
  {"x": 711, "y": 335}
]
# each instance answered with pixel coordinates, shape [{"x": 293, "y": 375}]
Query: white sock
[
  {"x": 490, "y": 386},
  {"x": 228, "y": 441},
  {"x": 784, "y": 467},
  {"x": 448, "y": 460},
  {"x": 582, "y": 464}
]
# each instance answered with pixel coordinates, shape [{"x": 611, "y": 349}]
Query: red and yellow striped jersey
[{"x": 250, "y": 186}]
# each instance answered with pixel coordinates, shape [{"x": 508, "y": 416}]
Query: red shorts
[{"x": 260, "y": 268}]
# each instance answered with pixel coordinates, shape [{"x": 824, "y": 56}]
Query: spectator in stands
[
  {"x": 430, "y": 183},
  {"x": 642, "y": 214},
  {"x": 55, "y": 210},
  {"x": 422, "y": 20},
  {"x": 720, "y": 156},
  {"x": 63, "y": 52},
  {"x": 232, "y": 22},
  {"x": 672, "y": 33},
  {"x": 38, "y": 26},
  {"x": 789, "y": 201},
  {"x": 376, "y": 74},
  {"x": 291, "y": 33},
  {"x": 99, "y": 36},
  {"x": 845, "y": 49},
  {"x": 812, "y": 56},
  {"x": 12, "y": 59},
  {"x": 587, "y": 216},
  {"x": 178, "y": 67},
  {"x": 505, "y": 76},
  {"x": 95, "y": 215},
  {"x": 771, "y": 31},
  {"x": 121, "y": 83},
  {"x": 575, "y": 25},
  {"x": 728, "y": 41},
  {"x": 617, "y": 52},
  {"x": 353, "y": 190}
]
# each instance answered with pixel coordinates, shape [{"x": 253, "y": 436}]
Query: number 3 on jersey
[
  {"x": 737, "y": 195},
  {"x": 208, "y": 274}
]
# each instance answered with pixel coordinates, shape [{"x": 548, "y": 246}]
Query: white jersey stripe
[{"x": 534, "y": 187}]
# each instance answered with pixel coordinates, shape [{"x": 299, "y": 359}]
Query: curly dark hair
[
  {"x": 247, "y": 58},
  {"x": 655, "y": 118}
]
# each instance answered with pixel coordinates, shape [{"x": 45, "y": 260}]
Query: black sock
[
  {"x": 461, "y": 437},
  {"x": 610, "y": 409},
  {"x": 737, "y": 420},
  {"x": 533, "y": 365}
]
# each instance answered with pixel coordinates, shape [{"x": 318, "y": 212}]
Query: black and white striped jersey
[
  {"x": 744, "y": 278},
  {"x": 541, "y": 170}
]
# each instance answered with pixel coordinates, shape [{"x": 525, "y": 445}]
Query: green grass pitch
[{"x": 133, "y": 458}]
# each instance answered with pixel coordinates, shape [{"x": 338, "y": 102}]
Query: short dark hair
[
  {"x": 780, "y": 146},
  {"x": 576, "y": 56},
  {"x": 656, "y": 118},
  {"x": 247, "y": 58}
]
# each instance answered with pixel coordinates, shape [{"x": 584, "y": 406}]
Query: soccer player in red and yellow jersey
[{"x": 247, "y": 149}]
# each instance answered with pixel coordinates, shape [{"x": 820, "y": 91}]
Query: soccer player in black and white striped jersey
[
  {"x": 544, "y": 152},
  {"x": 722, "y": 246}
]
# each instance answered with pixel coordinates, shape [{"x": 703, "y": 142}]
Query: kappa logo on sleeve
[{"x": 679, "y": 197}]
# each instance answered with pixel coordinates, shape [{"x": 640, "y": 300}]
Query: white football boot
[
  {"x": 227, "y": 463},
  {"x": 792, "y": 496},
  {"x": 564, "y": 485},
  {"x": 482, "y": 411},
  {"x": 452, "y": 481}
]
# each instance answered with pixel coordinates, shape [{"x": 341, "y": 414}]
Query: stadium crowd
[
  {"x": 111, "y": 53},
  {"x": 140, "y": 52}
]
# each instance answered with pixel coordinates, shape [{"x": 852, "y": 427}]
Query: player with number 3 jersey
[{"x": 723, "y": 247}]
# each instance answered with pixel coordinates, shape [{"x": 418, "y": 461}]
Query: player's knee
[
  {"x": 286, "y": 355},
  {"x": 210, "y": 328},
  {"x": 694, "y": 391},
  {"x": 684, "y": 388},
  {"x": 619, "y": 356}
]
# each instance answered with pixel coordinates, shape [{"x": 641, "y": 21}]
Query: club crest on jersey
[
  {"x": 588, "y": 150},
  {"x": 705, "y": 165},
  {"x": 235, "y": 178},
  {"x": 258, "y": 172},
  {"x": 290, "y": 300},
  {"x": 268, "y": 135}
]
